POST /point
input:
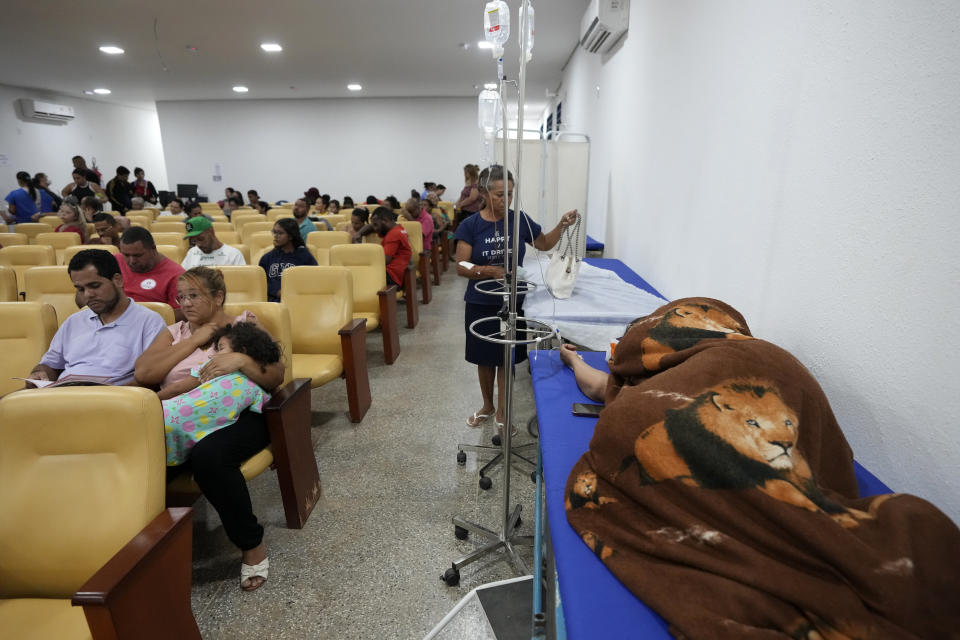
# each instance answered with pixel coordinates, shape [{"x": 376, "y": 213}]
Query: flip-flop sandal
[
  {"x": 513, "y": 430},
  {"x": 254, "y": 571},
  {"x": 477, "y": 419}
]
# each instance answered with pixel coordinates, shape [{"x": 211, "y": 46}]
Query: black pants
[{"x": 215, "y": 462}]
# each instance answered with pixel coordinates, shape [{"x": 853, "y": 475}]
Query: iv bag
[
  {"x": 489, "y": 111},
  {"x": 528, "y": 7},
  {"x": 496, "y": 25}
]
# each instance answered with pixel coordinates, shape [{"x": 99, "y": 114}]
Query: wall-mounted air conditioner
[
  {"x": 604, "y": 22},
  {"x": 39, "y": 110}
]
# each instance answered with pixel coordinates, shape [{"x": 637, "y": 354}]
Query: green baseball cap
[{"x": 196, "y": 226}]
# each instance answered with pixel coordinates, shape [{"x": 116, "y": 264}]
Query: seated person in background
[
  {"x": 228, "y": 193},
  {"x": 106, "y": 338},
  {"x": 359, "y": 224},
  {"x": 333, "y": 207},
  {"x": 220, "y": 399},
  {"x": 232, "y": 203},
  {"x": 254, "y": 198},
  {"x": 415, "y": 210},
  {"x": 174, "y": 208},
  {"x": 288, "y": 251},
  {"x": 311, "y": 195},
  {"x": 440, "y": 219},
  {"x": 148, "y": 276},
  {"x": 323, "y": 204},
  {"x": 263, "y": 206},
  {"x": 439, "y": 191},
  {"x": 392, "y": 202},
  {"x": 373, "y": 200},
  {"x": 23, "y": 202},
  {"x": 194, "y": 210},
  {"x": 300, "y": 209},
  {"x": 207, "y": 250},
  {"x": 89, "y": 207},
  {"x": 142, "y": 187},
  {"x": 347, "y": 202},
  {"x": 136, "y": 203},
  {"x": 396, "y": 244},
  {"x": 108, "y": 229},
  {"x": 71, "y": 222},
  {"x": 42, "y": 183},
  {"x": 118, "y": 190}
]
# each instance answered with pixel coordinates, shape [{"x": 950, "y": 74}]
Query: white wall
[
  {"x": 113, "y": 134},
  {"x": 353, "y": 147},
  {"x": 800, "y": 160}
]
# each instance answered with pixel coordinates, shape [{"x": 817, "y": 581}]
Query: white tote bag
[{"x": 561, "y": 275}]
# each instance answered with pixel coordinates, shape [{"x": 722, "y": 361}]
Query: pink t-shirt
[
  {"x": 181, "y": 331},
  {"x": 426, "y": 221}
]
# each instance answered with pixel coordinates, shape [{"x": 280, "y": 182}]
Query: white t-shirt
[{"x": 225, "y": 255}]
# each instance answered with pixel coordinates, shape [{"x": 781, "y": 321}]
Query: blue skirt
[{"x": 482, "y": 352}]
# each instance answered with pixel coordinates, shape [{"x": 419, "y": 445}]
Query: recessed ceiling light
[
  {"x": 240, "y": 89},
  {"x": 87, "y": 92},
  {"x": 112, "y": 50},
  {"x": 490, "y": 85},
  {"x": 483, "y": 44},
  {"x": 354, "y": 87},
  {"x": 272, "y": 47},
  {"x": 102, "y": 92}
]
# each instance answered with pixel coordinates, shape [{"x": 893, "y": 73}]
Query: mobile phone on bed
[{"x": 587, "y": 410}]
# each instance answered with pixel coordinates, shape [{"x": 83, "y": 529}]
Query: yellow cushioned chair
[
  {"x": 322, "y": 255},
  {"x": 145, "y": 219},
  {"x": 230, "y": 237},
  {"x": 3, "y": 227},
  {"x": 279, "y": 212},
  {"x": 59, "y": 242},
  {"x": 26, "y": 329},
  {"x": 222, "y": 226},
  {"x": 8, "y": 285},
  {"x": 343, "y": 226},
  {"x": 326, "y": 239},
  {"x": 12, "y": 239},
  {"x": 53, "y": 220},
  {"x": 288, "y": 420},
  {"x": 82, "y": 498},
  {"x": 170, "y": 237},
  {"x": 258, "y": 241},
  {"x": 174, "y": 252},
  {"x": 259, "y": 226},
  {"x": 327, "y": 339},
  {"x": 245, "y": 250},
  {"x": 372, "y": 238},
  {"x": 53, "y": 286},
  {"x": 240, "y": 219},
  {"x": 31, "y": 229},
  {"x": 69, "y": 252},
  {"x": 420, "y": 258},
  {"x": 334, "y": 218},
  {"x": 373, "y": 300},
  {"x": 165, "y": 311},
  {"x": 22, "y": 257},
  {"x": 212, "y": 206},
  {"x": 245, "y": 283},
  {"x": 346, "y": 212},
  {"x": 168, "y": 226}
]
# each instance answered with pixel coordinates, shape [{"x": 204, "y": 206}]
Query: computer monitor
[{"x": 187, "y": 191}]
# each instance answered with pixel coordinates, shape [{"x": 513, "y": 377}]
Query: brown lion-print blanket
[{"x": 719, "y": 488}]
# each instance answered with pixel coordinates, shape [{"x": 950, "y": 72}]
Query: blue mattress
[
  {"x": 594, "y": 245},
  {"x": 595, "y": 603}
]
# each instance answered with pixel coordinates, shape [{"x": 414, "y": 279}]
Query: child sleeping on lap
[{"x": 193, "y": 410}]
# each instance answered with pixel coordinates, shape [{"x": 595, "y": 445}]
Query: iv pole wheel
[
  {"x": 461, "y": 458},
  {"x": 485, "y": 483},
  {"x": 451, "y": 576},
  {"x": 460, "y": 532}
]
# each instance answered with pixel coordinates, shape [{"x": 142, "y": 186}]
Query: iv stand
[{"x": 507, "y": 537}]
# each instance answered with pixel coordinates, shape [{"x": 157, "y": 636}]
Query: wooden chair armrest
[
  {"x": 353, "y": 346},
  {"x": 288, "y": 421},
  {"x": 143, "y": 591},
  {"x": 388, "y": 323}
]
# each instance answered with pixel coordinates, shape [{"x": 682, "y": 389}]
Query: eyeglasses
[{"x": 192, "y": 297}]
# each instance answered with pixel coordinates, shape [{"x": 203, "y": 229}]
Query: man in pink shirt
[
  {"x": 148, "y": 276},
  {"x": 413, "y": 211}
]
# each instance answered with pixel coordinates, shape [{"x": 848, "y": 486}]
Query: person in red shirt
[
  {"x": 148, "y": 276},
  {"x": 396, "y": 245}
]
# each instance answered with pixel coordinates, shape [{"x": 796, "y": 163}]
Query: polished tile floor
[{"x": 368, "y": 562}]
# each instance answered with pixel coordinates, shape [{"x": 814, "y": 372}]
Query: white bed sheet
[{"x": 598, "y": 311}]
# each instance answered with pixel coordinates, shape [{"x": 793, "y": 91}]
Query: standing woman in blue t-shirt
[
  {"x": 23, "y": 202},
  {"x": 481, "y": 244}
]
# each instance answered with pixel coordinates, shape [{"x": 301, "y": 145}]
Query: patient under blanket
[{"x": 719, "y": 489}]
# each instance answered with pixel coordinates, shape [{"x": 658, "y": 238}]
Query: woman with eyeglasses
[{"x": 215, "y": 460}]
